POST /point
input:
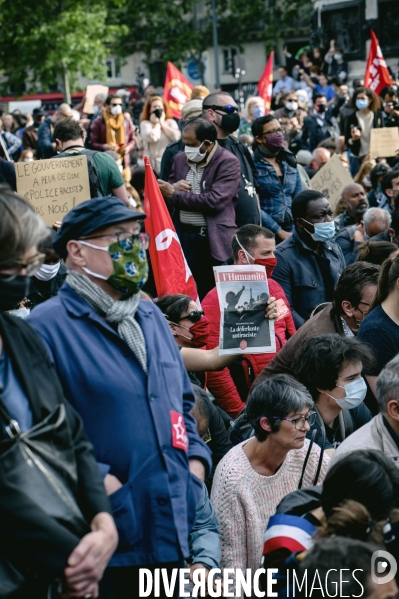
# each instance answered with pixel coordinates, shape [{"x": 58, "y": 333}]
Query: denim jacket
[{"x": 276, "y": 198}]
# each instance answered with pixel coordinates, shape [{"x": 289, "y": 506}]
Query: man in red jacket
[{"x": 251, "y": 244}]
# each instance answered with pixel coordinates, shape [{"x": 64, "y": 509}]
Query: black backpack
[{"x": 94, "y": 181}]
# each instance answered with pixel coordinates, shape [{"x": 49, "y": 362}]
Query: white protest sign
[
  {"x": 91, "y": 92},
  {"x": 331, "y": 179}
]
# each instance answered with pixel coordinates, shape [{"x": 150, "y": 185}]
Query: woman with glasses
[
  {"x": 331, "y": 367},
  {"x": 278, "y": 176},
  {"x": 36, "y": 546},
  {"x": 255, "y": 475}
]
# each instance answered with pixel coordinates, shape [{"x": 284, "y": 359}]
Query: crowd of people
[{"x": 127, "y": 441}]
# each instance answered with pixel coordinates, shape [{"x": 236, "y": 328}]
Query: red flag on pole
[
  {"x": 171, "y": 271},
  {"x": 377, "y": 75},
  {"x": 265, "y": 85},
  {"x": 177, "y": 90}
]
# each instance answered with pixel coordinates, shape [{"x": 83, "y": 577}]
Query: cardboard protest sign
[
  {"x": 91, "y": 92},
  {"x": 384, "y": 142},
  {"x": 331, "y": 179},
  {"x": 54, "y": 186}
]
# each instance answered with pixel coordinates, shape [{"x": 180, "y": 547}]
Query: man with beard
[{"x": 355, "y": 203}]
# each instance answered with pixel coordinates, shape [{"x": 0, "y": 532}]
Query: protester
[
  {"x": 255, "y": 475},
  {"x": 290, "y": 108},
  {"x": 221, "y": 110},
  {"x": 278, "y": 178},
  {"x": 284, "y": 85},
  {"x": 392, "y": 233},
  {"x": 254, "y": 109},
  {"x": 251, "y": 244},
  {"x": 157, "y": 129},
  {"x": 50, "y": 277},
  {"x": 119, "y": 343},
  {"x": 11, "y": 142},
  {"x": 204, "y": 220},
  {"x": 46, "y": 146},
  {"x": 323, "y": 87},
  {"x": 320, "y": 157},
  {"x": 337, "y": 66},
  {"x": 30, "y": 136},
  {"x": 303, "y": 99},
  {"x": 330, "y": 367},
  {"x": 376, "y": 175},
  {"x": 7, "y": 174},
  {"x": 8, "y": 122},
  {"x": 104, "y": 175},
  {"x": 199, "y": 92},
  {"x": 98, "y": 107},
  {"x": 355, "y": 205},
  {"x": 114, "y": 130},
  {"x": 363, "y": 175},
  {"x": 376, "y": 252},
  {"x": 366, "y": 116},
  {"x": 38, "y": 547},
  {"x": 390, "y": 105},
  {"x": 309, "y": 264},
  {"x": 26, "y": 156},
  {"x": 319, "y": 125},
  {"x": 375, "y": 221},
  {"x": 390, "y": 189}
]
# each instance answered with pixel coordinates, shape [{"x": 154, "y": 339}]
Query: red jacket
[
  {"x": 221, "y": 383},
  {"x": 97, "y": 136}
]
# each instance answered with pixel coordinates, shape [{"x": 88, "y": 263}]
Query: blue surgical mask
[
  {"x": 96, "y": 109},
  {"x": 362, "y": 103},
  {"x": 355, "y": 392},
  {"x": 322, "y": 231},
  {"x": 258, "y": 111},
  {"x": 337, "y": 56}
]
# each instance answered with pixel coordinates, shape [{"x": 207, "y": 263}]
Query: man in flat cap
[{"x": 120, "y": 368}]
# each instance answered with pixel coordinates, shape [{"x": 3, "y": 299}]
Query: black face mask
[
  {"x": 230, "y": 122},
  {"x": 158, "y": 112},
  {"x": 12, "y": 292},
  {"x": 321, "y": 108}
]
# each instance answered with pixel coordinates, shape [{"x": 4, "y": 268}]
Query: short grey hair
[
  {"x": 373, "y": 214},
  {"x": 279, "y": 396},
  {"x": 388, "y": 384},
  {"x": 101, "y": 98}
]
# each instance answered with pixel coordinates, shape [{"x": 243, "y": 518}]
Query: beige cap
[{"x": 191, "y": 109}]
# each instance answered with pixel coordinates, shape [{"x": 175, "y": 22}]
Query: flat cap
[{"x": 191, "y": 109}]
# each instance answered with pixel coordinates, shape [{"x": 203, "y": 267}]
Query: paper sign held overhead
[
  {"x": 331, "y": 179},
  {"x": 384, "y": 142},
  {"x": 54, "y": 186},
  {"x": 91, "y": 93}
]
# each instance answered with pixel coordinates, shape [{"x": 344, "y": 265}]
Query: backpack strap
[{"x": 345, "y": 424}]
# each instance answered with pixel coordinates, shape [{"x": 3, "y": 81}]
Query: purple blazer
[{"x": 220, "y": 184}]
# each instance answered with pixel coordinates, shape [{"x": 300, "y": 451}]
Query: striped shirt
[{"x": 194, "y": 176}]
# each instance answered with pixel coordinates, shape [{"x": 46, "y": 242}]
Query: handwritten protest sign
[
  {"x": 91, "y": 93},
  {"x": 54, "y": 186},
  {"x": 384, "y": 142},
  {"x": 331, "y": 179}
]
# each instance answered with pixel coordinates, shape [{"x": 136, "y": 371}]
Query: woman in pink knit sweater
[{"x": 254, "y": 476}]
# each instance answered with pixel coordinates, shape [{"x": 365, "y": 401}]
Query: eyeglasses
[
  {"x": 207, "y": 437},
  {"x": 229, "y": 109},
  {"x": 300, "y": 422},
  {"x": 126, "y": 240},
  {"x": 116, "y": 104},
  {"x": 273, "y": 131},
  {"x": 194, "y": 316},
  {"x": 32, "y": 266}
]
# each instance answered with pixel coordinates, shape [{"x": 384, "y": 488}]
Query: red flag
[
  {"x": 177, "y": 90},
  {"x": 265, "y": 85},
  {"x": 171, "y": 271},
  {"x": 377, "y": 75}
]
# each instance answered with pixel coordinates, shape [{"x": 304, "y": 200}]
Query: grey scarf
[{"x": 115, "y": 312}]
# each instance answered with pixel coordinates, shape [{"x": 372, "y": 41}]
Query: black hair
[
  {"x": 336, "y": 81},
  {"x": 47, "y": 243},
  {"x": 320, "y": 359},
  {"x": 381, "y": 169},
  {"x": 374, "y": 252},
  {"x": 386, "y": 182},
  {"x": 111, "y": 97},
  {"x": 201, "y": 408},
  {"x": 247, "y": 235},
  {"x": 389, "y": 274},
  {"x": 395, "y": 222},
  {"x": 318, "y": 95},
  {"x": 257, "y": 125},
  {"x": 204, "y": 130},
  {"x": 282, "y": 66},
  {"x": 388, "y": 90},
  {"x": 329, "y": 144},
  {"x": 300, "y": 203},
  {"x": 67, "y": 130},
  {"x": 351, "y": 284},
  {"x": 277, "y": 396},
  {"x": 138, "y": 178},
  {"x": 173, "y": 305}
]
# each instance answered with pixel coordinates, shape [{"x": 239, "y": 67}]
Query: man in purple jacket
[{"x": 202, "y": 192}]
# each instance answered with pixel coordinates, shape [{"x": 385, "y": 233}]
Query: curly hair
[{"x": 145, "y": 115}]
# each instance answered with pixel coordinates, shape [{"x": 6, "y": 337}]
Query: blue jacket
[
  {"x": 276, "y": 198},
  {"x": 204, "y": 539},
  {"x": 46, "y": 139},
  {"x": 307, "y": 278},
  {"x": 128, "y": 418}
]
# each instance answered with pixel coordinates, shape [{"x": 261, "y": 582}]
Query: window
[
  {"x": 113, "y": 68},
  {"x": 228, "y": 60}
]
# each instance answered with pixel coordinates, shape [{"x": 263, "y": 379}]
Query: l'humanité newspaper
[{"x": 243, "y": 292}]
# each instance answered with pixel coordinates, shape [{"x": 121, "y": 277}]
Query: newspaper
[{"x": 243, "y": 292}]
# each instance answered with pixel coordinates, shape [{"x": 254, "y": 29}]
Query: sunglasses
[
  {"x": 194, "y": 316},
  {"x": 227, "y": 109}
]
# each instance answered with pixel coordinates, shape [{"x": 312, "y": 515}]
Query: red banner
[
  {"x": 171, "y": 271},
  {"x": 265, "y": 85},
  {"x": 377, "y": 75},
  {"x": 177, "y": 90}
]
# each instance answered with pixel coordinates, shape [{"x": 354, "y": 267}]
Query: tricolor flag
[{"x": 285, "y": 531}]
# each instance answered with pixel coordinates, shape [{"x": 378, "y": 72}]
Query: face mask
[
  {"x": 292, "y": 106},
  {"x": 28, "y": 159},
  {"x": 355, "y": 392},
  {"x": 96, "y": 109},
  {"x": 14, "y": 291},
  {"x": 47, "y": 271},
  {"x": 258, "y": 111},
  {"x": 20, "y": 313},
  {"x": 194, "y": 154},
  {"x": 321, "y": 108},
  {"x": 322, "y": 231},
  {"x": 199, "y": 332},
  {"x": 269, "y": 263},
  {"x": 116, "y": 110},
  {"x": 140, "y": 162},
  {"x": 362, "y": 104},
  {"x": 366, "y": 181},
  {"x": 275, "y": 142},
  {"x": 157, "y": 112},
  {"x": 338, "y": 56},
  {"x": 130, "y": 266},
  {"x": 230, "y": 122}
]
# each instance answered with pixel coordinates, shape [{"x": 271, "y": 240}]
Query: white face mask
[
  {"x": 20, "y": 313},
  {"x": 194, "y": 154},
  {"x": 95, "y": 247},
  {"x": 116, "y": 110},
  {"x": 355, "y": 392},
  {"x": 47, "y": 271},
  {"x": 292, "y": 106},
  {"x": 28, "y": 159}
]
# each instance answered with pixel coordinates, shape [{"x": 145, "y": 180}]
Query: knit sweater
[{"x": 244, "y": 500}]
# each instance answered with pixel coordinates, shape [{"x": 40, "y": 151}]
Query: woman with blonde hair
[
  {"x": 158, "y": 129},
  {"x": 363, "y": 175},
  {"x": 199, "y": 92},
  {"x": 254, "y": 108}
]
